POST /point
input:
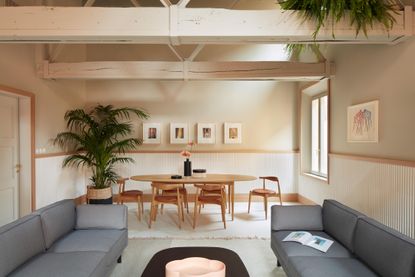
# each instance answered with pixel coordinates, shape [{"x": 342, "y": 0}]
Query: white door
[{"x": 9, "y": 159}]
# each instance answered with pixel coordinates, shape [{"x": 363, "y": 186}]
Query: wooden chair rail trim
[
  {"x": 236, "y": 151},
  {"x": 373, "y": 159}
]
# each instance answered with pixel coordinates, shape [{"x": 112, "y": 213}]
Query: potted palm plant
[{"x": 96, "y": 140}]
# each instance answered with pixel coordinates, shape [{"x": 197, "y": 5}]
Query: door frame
[{"x": 21, "y": 94}]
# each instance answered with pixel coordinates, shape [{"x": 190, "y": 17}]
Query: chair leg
[
  {"x": 195, "y": 214},
  {"x": 182, "y": 204},
  {"x": 138, "y": 208},
  {"x": 151, "y": 215},
  {"x": 161, "y": 208},
  {"x": 249, "y": 202},
  {"x": 186, "y": 202},
  {"x": 142, "y": 204},
  {"x": 223, "y": 210},
  {"x": 156, "y": 209},
  {"x": 179, "y": 212},
  {"x": 266, "y": 206}
]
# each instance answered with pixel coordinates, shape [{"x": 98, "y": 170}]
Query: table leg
[
  {"x": 229, "y": 199},
  {"x": 233, "y": 198}
]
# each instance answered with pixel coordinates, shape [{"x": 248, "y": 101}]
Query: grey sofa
[
  {"x": 362, "y": 246},
  {"x": 64, "y": 240}
]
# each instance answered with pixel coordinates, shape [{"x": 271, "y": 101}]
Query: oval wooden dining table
[{"x": 226, "y": 179}]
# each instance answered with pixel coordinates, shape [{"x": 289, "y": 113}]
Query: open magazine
[{"x": 305, "y": 238}]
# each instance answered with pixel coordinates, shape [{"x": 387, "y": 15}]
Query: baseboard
[{"x": 304, "y": 200}]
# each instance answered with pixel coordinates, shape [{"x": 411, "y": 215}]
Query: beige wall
[
  {"x": 53, "y": 98},
  {"x": 380, "y": 190},
  {"x": 267, "y": 109},
  {"x": 384, "y": 73}
]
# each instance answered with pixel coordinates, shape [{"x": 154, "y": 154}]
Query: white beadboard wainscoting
[
  {"x": 383, "y": 191},
  {"x": 54, "y": 183}
]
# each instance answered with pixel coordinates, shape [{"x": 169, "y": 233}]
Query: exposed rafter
[
  {"x": 135, "y": 3},
  {"x": 255, "y": 70},
  {"x": 183, "y": 3},
  {"x": 166, "y": 3},
  {"x": 89, "y": 3},
  {"x": 175, "y": 26},
  {"x": 195, "y": 52}
]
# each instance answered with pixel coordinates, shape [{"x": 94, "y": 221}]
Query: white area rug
[
  {"x": 209, "y": 223},
  {"x": 256, "y": 254}
]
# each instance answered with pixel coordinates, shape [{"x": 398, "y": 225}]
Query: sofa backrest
[
  {"x": 339, "y": 221},
  {"x": 58, "y": 219},
  {"x": 19, "y": 241},
  {"x": 101, "y": 217},
  {"x": 385, "y": 251},
  {"x": 301, "y": 217}
]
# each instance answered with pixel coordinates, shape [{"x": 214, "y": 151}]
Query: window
[
  {"x": 314, "y": 129},
  {"x": 319, "y": 124}
]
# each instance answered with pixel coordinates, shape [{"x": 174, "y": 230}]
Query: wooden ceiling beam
[
  {"x": 179, "y": 26},
  {"x": 161, "y": 70}
]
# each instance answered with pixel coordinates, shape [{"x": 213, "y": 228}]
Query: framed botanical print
[
  {"x": 151, "y": 133},
  {"x": 206, "y": 133},
  {"x": 362, "y": 122},
  {"x": 233, "y": 133},
  {"x": 179, "y": 133}
]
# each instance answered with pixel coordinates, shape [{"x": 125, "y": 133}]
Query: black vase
[{"x": 187, "y": 168}]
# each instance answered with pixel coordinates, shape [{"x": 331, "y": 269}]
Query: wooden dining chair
[
  {"x": 266, "y": 193},
  {"x": 130, "y": 196},
  {"x": 209, "y": 194},
  {"x": 183, "y": 193},
  {"x": 158, "y": 197}
]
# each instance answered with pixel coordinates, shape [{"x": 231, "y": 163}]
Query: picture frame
[
  {"x": 151, "y": 133},
  {"x": 206, "y": 133},
  {"x": 362, "y": 122},
  {"x": 233, "y": 133},
  {"x": 179, "y": 133}
]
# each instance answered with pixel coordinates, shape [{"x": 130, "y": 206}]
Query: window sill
[{"x": 318, "y": 177}]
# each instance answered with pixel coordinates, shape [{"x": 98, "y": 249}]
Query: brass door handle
[{"x": 18, "y": 167}]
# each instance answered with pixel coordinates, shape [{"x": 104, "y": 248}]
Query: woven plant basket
[{"x": 98, "y": 194}]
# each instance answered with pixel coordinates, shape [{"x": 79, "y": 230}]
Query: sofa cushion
[
  {"x": 386, "y": 251},
  {"x": 321, "y": 266},
  {"x": 101, "y": 217},
  {"x": 296, "y": 218},
  {"x": 339, "y": 221},
  {"x": 287, "y": 249},
  {"x": 112, "y": 242},
  {"x": 80, "y": 264},
  {"x": 58, "y": 219},
  {"x": 20, "y": 241}
]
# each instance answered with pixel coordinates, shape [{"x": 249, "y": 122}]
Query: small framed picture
[
  {"x": 151, "y": 133},
  {"x": 362, "y": 122},
  {"x": 179, "y": 133},
  {"x": 206, "y": 133},
  {"x": 233, "y": 133}
]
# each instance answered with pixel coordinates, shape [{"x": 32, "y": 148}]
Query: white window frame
[{"x": 319, "y": 171}]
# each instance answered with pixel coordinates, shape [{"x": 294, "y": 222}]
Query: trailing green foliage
[
  {"x": 97, "y": 138},
  {"x": 362, "y": 13}
]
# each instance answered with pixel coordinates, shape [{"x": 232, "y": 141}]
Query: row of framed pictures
[{"x": 179, "y": 133}]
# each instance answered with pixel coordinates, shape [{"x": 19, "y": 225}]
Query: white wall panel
[
  {"x": 383, "y": 191},
  {"x": 54, "y": 183},
  {"x": 257, "y": 164}
]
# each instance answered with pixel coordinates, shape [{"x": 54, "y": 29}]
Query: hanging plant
[{"x": 362, "y": 14}]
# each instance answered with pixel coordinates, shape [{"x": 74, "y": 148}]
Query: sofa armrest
[
  {"x": 296, "y": 218},
  {"x": 101, "y": 217}
]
